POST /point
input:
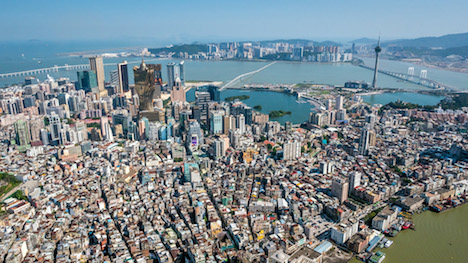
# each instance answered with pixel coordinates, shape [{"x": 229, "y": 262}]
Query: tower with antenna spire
[{"x": 377, "y": 49}]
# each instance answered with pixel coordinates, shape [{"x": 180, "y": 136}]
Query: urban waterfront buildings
[{"x": 144, "y": 175}]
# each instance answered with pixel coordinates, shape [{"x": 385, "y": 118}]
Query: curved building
[{"x": 148, "y": 84}]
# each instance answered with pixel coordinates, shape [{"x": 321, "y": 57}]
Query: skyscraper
[
  {"x": 377, "y": 49},
  {"x": 364, "y": 140},
  {"x": 147, "y": 84},
  {"x": 182, "y": 73},
  {"x": 175, "y": 71},
  {"x": 96, "y": 65},
  {"x": 87, "y": 81},
  {"x": 122, "y": 69},
  {"x": 339, "y": 103},
  {"x": 172, "y": 73}
]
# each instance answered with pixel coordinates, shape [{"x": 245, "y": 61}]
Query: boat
[
  {"x": 378, "y": 257},
  {"x": 437, "y": 208},
  {"x": 388, "y": 243},
  {"x": 406, "y": 225}
]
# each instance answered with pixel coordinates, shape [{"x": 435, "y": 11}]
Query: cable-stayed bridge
[{"x": 411, "y": 77}]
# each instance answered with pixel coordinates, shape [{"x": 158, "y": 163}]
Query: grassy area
[
  {"x": 319, "y": 92},
  {"x": 240, "y": 97},
  {"x": 94, "y": 125},
  {"x": 19, "y": 195},
  {"x": 11, "y": 182},
  {"x": 280, "y": 113}
]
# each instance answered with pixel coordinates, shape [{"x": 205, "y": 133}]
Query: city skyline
[{"x": 177, "y": 22}]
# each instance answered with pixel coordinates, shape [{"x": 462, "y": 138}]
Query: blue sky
[{"x": 176, "y": 21}]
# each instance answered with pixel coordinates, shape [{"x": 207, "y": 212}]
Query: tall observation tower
[{"x": 376, "y": 69}]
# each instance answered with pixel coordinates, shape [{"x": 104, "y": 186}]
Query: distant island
[
  {"x": 280, "y": 113},
  {"x": 240, "y": 97},
  {"x": 258, "y": 107}
]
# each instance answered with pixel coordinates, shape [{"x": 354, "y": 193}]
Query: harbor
[{"x": 440, "y": 237}]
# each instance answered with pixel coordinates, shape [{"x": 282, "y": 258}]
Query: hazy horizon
[{"x": 168, "y": 22}]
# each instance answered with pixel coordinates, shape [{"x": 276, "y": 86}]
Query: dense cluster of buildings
[
  {"x": 301, "y": 51},
  {"x": 135, "y": 173}
]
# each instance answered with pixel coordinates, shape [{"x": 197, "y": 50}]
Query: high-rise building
[
  {"x": 229, "y": 122},
  {"x": 96, "y": 64},
  {"x": 291, "y": 150},
  {"x": 219, "y": 147},
  {"x": 341, "y": 115},
  {"x": 216, "y": 122},
  {"x": 182, "y": 72},
  {"x": 319, "y": 118},
  {"x": 195, "y": 135},
  {"x": 122, "y": 70},
  {"x": 178, "y": 92},
  {"x": 354, "y": 180},
  {"x": 147, "y": 84},
  {"x": 23, "y": 137},
  {"x": 377, "y": 49},
  {"x": 240, "y": 123},
  {"x": 114, "y": 78},
  {"x": 55, "y": 126},
  {"x": 339, "y": 189},
  {"x": 339, "y": 103},
  {"x": 35, "y": 126},
  {"x": 297, "y": 53},
  {"x": 175, "y": 71},
  {"x": 363, "y": 148},
  {"x": 202, "y": 99},
  {"x": 215, "y": 94},
  {"x": 87, "y": 81},
  {"x": 104, "y": 122}
]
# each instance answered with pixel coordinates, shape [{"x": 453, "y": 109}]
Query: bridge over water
[
  {"x": 56, "y": 68},
  {"x": 415, "y": 79},
  {"x": 238, "y": 79}
]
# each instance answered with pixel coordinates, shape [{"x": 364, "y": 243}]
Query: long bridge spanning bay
[
  {"x": 241, "y": 77},
  {"x": 56, "y": 68},
  {"x": 415, "y": 79}
]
